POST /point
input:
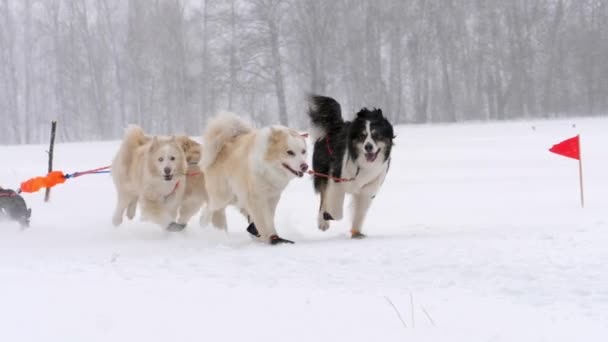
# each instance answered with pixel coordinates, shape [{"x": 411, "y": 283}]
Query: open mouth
[
  {"x": 371, "y": 157},
  {"x": 297, "y": 173},
  {"x": 168, "y": 177}
]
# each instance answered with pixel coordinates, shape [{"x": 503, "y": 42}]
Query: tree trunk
[{"x": 273, "y": 32}]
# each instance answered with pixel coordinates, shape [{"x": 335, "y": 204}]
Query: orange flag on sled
[
  {"x": 35, "y": 184},
  {"x": 568, "y": 148}
]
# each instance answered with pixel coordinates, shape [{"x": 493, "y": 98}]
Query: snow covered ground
[{"x": 477, "y": 235}]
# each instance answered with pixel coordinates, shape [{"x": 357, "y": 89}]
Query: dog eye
[
  {"x": 303, "y": 151},
  {"x": 161, "y": 159},
  {"x": 290, "y": 152},
  {"x": 363, "y": 135},
  {"x": 172, "y": 158}
]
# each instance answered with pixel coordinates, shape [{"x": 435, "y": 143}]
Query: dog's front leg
[
  {"x": 361, "y": 204},
  {"x": 154, "y": 210},
  {"x": 362, "y": 201},
  {"x": 259, "y": 212},
  {"x": 262, "y": 211},
  {"x": 121, "y": 205}
]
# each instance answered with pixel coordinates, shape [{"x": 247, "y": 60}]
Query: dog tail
[
  {"x": 220, "y": 130},
  {"x": 325, "y": 116},
  {"x": 134, "y": 137}
]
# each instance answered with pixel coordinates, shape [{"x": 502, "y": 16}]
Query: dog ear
[
  {"x": 275, "y": 134},
  {"x": 154, "y": 143},
  {"x": 184, "y": 142}
]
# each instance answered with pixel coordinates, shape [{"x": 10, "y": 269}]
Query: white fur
[
  {"x": 244, "y": 173},
  {"x": 138, "y": 175},
  {"x": 367, "y": 177}
]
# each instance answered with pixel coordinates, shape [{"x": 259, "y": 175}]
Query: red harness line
[
  {"x": 329, "y": 150},
  {"x": 319, "y": 174},
  {"x": 9, "y": 195},
  {"x": 192, "y": 174},
  {"x": 335, "y": 179}
]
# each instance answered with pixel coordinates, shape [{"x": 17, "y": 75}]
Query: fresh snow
[{"x": 476, "y": 235}]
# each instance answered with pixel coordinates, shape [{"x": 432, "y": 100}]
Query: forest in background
[{"x": 168, "y": 65}]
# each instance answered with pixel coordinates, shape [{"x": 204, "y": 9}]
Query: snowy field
[{"x": 477, "y": 235}]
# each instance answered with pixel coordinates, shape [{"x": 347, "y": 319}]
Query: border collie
[{"x": 355, "y": 155}]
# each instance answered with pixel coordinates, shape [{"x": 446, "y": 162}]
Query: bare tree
[{"x": 96, "y": 65}]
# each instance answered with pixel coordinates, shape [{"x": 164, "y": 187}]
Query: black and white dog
[
  {"x": 354, "y": 154},
  {"x": 13, "y": 207}
]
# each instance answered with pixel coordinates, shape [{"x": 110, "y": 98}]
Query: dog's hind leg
[
  {"x": 332, "y": 204},
  {"x": 322, "y": 221},
  {"x": 218, "y": 219}
]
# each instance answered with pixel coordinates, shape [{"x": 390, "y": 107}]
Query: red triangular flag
[{"x": 568, "y": 148}]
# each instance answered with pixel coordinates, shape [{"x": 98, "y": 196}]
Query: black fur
[
  {"x": 13, "y": 206},
  {"x": 341, "y": 137}
]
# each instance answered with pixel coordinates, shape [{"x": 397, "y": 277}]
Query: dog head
[
  {"x": 371, "y": 136},
  {"x": 166, "y": 158},
  {"x": 192, "y": 149},
  {"x": 287, "y": 151}
]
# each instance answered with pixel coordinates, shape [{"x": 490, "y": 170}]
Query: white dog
[
  {"x": 151, "y": 172},
  {"x": 250, "y": 168}
]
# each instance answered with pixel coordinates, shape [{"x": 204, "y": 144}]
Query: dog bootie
[
  {"x": 275, "y": 240},
  {"x": 176, "y": 227},
  {"x": 253, "y": 230}
]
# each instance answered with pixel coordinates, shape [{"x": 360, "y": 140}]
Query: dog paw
[
  {"x": 116, "y": 221},
  {"x": 176, "y": 227},
  {"x": 323, "y": 225},
  {"x": 357, "y": 235}
]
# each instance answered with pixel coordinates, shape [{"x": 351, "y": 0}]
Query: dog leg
[
  {"x": 275, "y": 239},
  {"x": 332, "y": 204},
  {"x": 361, "y": 204},
  {"x": 132, "y": 208},
  {"x": 154, "y": 211},
  {"x": 218, "y": 219},
  {"x": 257, "y": 209},
  {"x": 261, "y": 211},
  {"x": 322, "y": 223},
  {"x": 121, "y": 205}
]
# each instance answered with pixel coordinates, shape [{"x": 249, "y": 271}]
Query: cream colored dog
[
  {"x": 195, "y": 194},
  {"x": 250, "y": 168},
  {"x": 151, "y": 172}
]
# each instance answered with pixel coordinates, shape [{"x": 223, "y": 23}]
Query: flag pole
[{"x": 580, "y": 174}]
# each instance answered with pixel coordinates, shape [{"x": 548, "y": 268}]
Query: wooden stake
[
  {"x": 580, "y": 172},
  {"x": 47, "y": 193}
]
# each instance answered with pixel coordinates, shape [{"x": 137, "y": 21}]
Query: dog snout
[
  {"x": 369, "y": 147},
  {"x": 304, "y": 167},
  {"x": 167, "y": 170}
]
